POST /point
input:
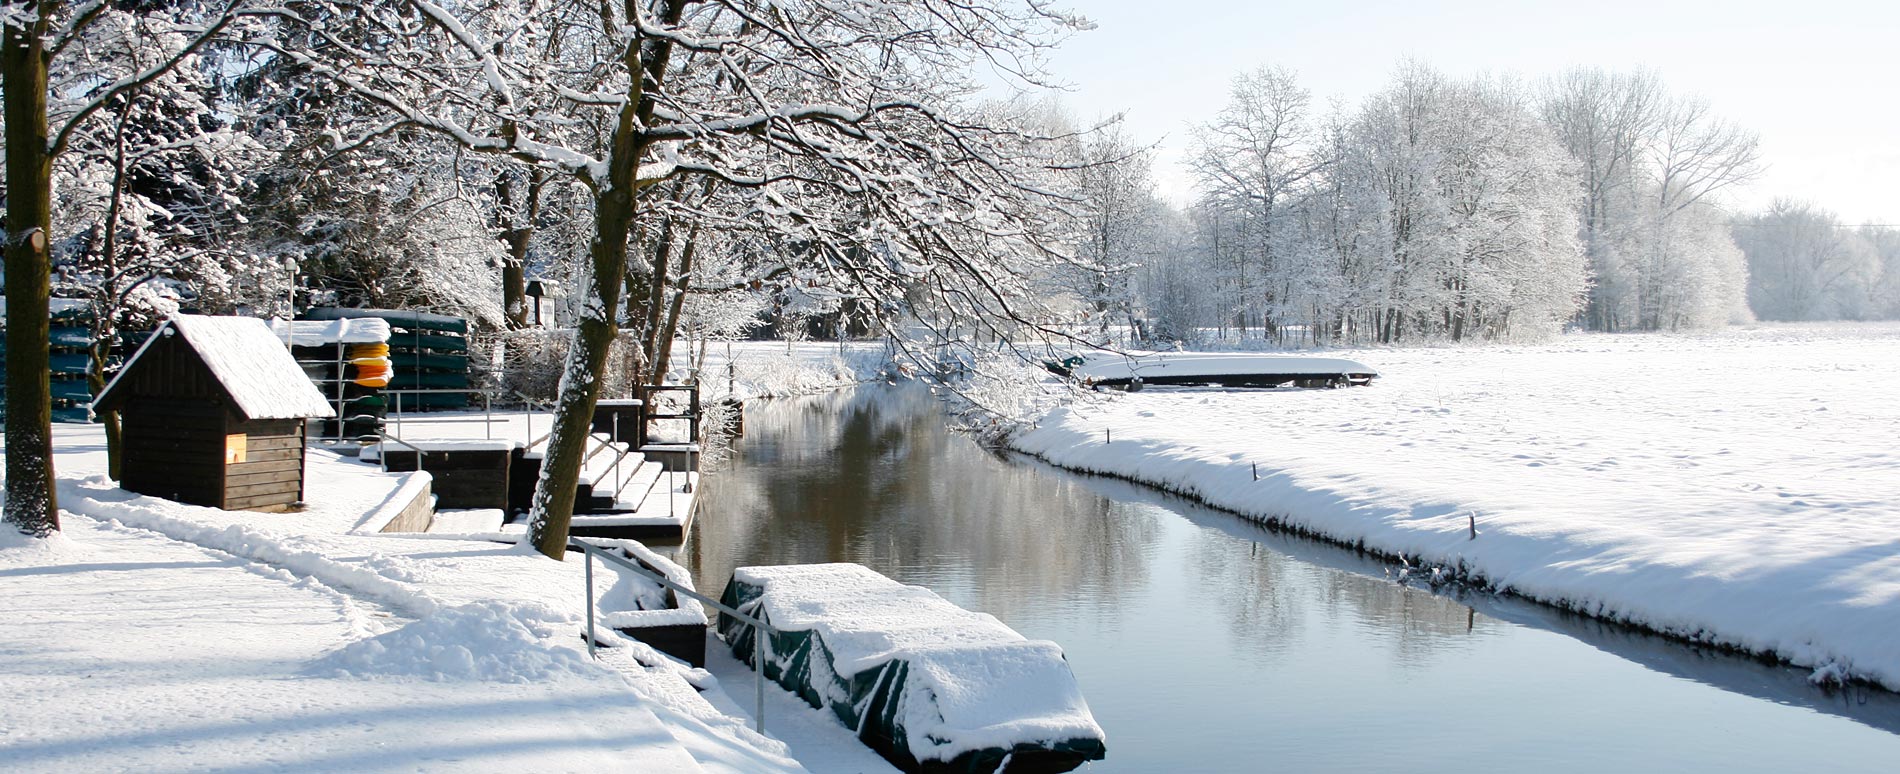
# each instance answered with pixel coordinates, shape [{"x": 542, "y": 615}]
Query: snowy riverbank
[
  {"x": 1740, "y": 488},
  {"x": 747, "y": 370}
]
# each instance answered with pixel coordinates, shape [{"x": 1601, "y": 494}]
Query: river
[{"x": 1205, "y": 643}]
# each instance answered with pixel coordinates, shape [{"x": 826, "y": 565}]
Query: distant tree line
[
  {"x": 1805, "y": 264},
  {"x": 1441, "y": 209}
]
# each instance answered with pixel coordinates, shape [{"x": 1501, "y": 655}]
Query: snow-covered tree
[
  {"x": 1439, "y": 208},
  {"x": 845, "y": 120},
  {"x": 1251, "y": 161},
  {"x": 61, "y": 64},
  {"x": 1111, "y": 177},
  {"x": 1886, "y": 292},
  {"x": 146, "y": 192},
  {"x": 1650, "y": 164},
  {"x": 1804, "y": 265}
]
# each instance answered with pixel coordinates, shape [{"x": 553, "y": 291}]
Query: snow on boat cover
[
  {"x": 1232, "y": 370},
  {"x": 928, "y": 685}
]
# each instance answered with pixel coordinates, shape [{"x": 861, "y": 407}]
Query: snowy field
[{"x": 1740, "y": 488}]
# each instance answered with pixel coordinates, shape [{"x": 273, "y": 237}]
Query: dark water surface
[{"x": 1207, "y": 644}]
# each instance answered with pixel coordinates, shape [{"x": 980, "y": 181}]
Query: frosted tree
[
  {"x": 63, "y": 63},
  {"x": 1251, "y": 161},
  {"x": 1438, "y": 209},
  {"x": 1606, "y": 121},
  {"x": 846, "y": 118},
  {"x": 146, "y": 193},
  {"x": 1647, "y": 158},
  {"x": 1515, "y": 264},
  {"x": 1804, "y": 265},
  {"x": 1172, "y": 280},
  {"x": 1113, "y": 179},
  {"x": 1885, "y": 295}
]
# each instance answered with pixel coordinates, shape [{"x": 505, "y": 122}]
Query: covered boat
[{"x": 928, "y": 685}]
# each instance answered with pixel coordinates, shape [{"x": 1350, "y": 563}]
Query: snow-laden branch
[
  {"x": 481, "y": 49},
  {"x": 129, "y": 83}
]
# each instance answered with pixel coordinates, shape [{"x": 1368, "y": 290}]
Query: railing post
[
  {"x": 588, "y": 557},
  {"x": 758, "y": 660},
  {"x": 760, "y": 628}
]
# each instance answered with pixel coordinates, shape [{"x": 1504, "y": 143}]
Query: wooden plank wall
[
  {"x": 271, "y": 476},
  {"x": 174, "y": 448},
  {"x": 463, "y": 478},
  {"x": 172, "y": 370}
]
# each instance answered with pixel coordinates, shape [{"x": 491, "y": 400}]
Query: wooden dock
[{"x": 627, "y": 488}]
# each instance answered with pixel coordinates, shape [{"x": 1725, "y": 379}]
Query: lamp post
[
  {"x": 535, "y": 290},
  {"x": 290, "y": 303}
]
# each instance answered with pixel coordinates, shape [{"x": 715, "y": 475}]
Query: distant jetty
[{"x": 1132, "y": 372}]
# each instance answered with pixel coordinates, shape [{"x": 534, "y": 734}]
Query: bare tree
[
  {"x": 1251, "y": 159},
  {"x": 1606, "y": 120}
]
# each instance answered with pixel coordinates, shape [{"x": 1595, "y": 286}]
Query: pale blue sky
[{"x": 1815, "y": 78}]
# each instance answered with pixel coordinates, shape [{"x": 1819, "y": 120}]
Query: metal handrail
[
  {"x": 621, "y": 482},
  {"x": 382, "y": 459},
  {"x": 488, "y": 413},
  {"x": 759, "y": 627}
]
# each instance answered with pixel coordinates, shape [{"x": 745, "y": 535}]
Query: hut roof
[{"x": 249, "y": 362}]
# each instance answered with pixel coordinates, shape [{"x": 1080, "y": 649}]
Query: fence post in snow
[{"x": 588, "y": 558}]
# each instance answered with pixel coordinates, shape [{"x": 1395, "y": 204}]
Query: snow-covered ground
[
  {"x": 157, "y": 636},
  {"x": 1740, "y": 488}
]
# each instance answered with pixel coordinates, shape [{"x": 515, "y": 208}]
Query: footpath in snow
[
  {"x": 1740, "y": 488},
  {"x": 128, "y": 651}
]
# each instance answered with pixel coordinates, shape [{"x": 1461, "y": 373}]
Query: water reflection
[
  {"x": 870, "y": 476},
  {"x": 1206, "y": 643}
]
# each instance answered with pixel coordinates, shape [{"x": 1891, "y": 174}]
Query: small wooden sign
[{"x": 236, "y": 448}]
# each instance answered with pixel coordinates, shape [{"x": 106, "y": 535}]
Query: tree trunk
[
  {"x": 97, "y": 355},
  {"x": 645, "y": 291},
  {"x": 514, "y": 280},
  {"x": 31, "y": 502},
  {"x": 516, "y": 236},
  {"x": 662, "y": 361},
  {"x": 105, "y": 308},
  {"x": 553, "y": 504}
]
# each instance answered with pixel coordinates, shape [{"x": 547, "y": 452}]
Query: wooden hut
[{"x": 214, "y": 410}]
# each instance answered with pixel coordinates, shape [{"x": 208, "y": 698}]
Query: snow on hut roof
[
  {"x": 255, "y": 370},
  {"x": 349, "y": 330}
]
